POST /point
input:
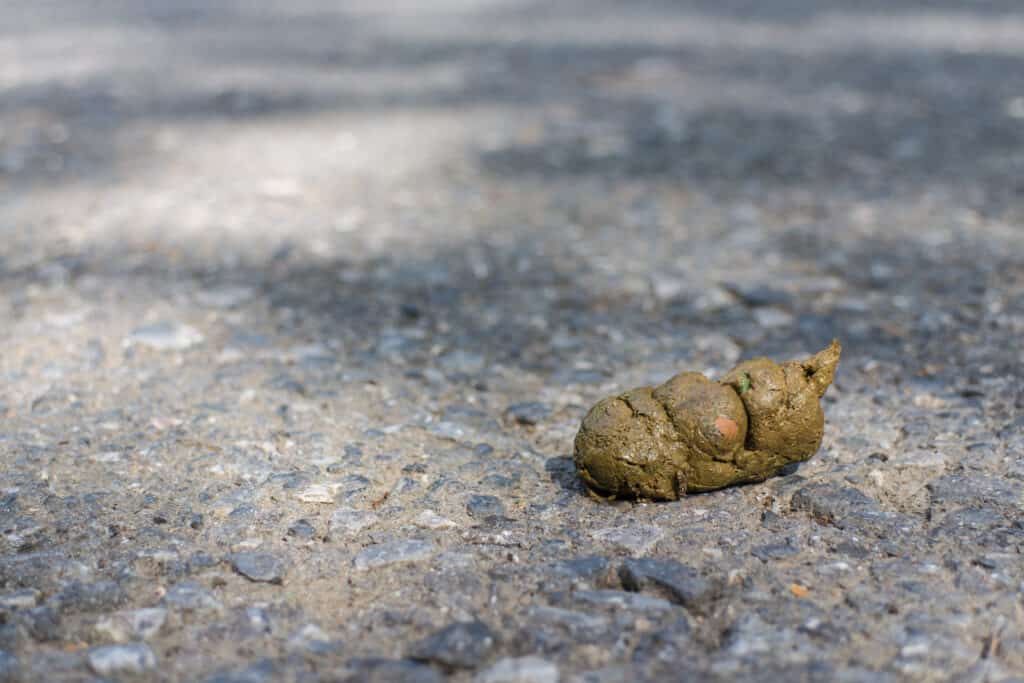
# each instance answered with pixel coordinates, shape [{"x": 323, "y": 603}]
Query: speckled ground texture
[{"x": 301, "y": 304}]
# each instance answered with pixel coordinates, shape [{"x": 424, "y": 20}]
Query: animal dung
[{"x": 692, "y": 434}]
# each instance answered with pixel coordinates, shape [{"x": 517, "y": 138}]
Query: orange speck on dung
[
  {"x": 728, "y": 427},
  {"x": 798, "y": 590}
]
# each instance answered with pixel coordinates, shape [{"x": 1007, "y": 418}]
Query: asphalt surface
[{"x": 301, "y": 304}]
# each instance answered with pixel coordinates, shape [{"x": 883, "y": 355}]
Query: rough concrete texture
[{"x": 303, "y": 302}]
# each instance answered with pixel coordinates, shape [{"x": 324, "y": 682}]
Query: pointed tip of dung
[
  {"x": 821, "y": 367},
  {"x": 832, "y": 352}
]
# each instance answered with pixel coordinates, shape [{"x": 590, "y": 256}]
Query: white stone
[
  {"x": 224, "y": 297},
  {"x": 165, "y": 336},
  {"x": 132, "y": 658},
  {"x": 140, "y": 624},
  {"x": 349, "y": 522},
  {"x": 28, "y": 597},
  {"x": 636, "y": 539},
  {"x": 520, "y": 670},
  {"x": 428, "y": 519},
  {"x": 317, "y": 493}
]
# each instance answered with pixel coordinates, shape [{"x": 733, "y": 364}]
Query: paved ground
[{"x": 302, "y": 303}]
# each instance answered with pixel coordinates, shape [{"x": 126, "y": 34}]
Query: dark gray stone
[
  {"x": 668, "y": 579},
  {"x": 302, "y": 529},
  {"x": 971, "y": 525},
  {"x": 774, "y": 551},
  {"x": 43, "y": 570},
  {"x": 758, "y": 294},
  {"x": 482, "y": 506},
  {"x": 259, "y": 566},
  {"x": 773, "y": 521},
  {"x": 352, "y": 485},
  {"x": 848, "y": 508},
  {"x": 462, "y": 645},
  {"x": 499, "y": 481},
  {"x": 90, "y": 597},
  {"x": 978, "y": 490},
  {"x": 528, "y": 413},
  {"x": 831, "y": 503},
  {"x": 393, "y": 552},
  {"x": 852, "y": 549},
  {"x": 372, "y": 670},
  {"x": 8, "y": 505},
  {"x": 201, "y": 560}
]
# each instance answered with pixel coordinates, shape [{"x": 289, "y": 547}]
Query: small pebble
[
  {"x": 484, "y": 506},
  {"x": 428, "y": 519},
  {"x": 346, "y": 522},
  {"x": 462, "y": 645},
  {"x": 119, "y": 660},
  {"x": 165, "y": 336},
  {"x": 259, "y": 567},
  {"x": 529, "y": 413},
  {"x": 519, "y": 670},
  {"x": 384, "y": 554}
]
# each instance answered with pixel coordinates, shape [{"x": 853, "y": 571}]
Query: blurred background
[{"x": 795, "y": 168}]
